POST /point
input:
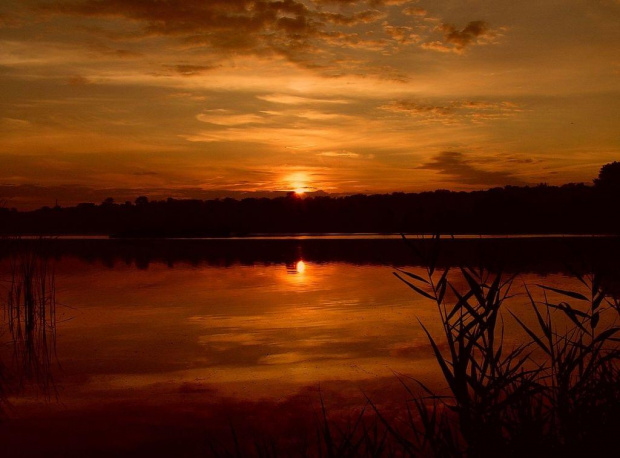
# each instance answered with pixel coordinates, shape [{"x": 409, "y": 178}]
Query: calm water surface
[{"x": 151, "y": 352}]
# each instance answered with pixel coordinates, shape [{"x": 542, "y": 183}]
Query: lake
[{"x": 164, "y": 345}]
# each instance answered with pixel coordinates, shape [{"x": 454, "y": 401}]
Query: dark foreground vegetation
[
  {"x": 572, "y": 208},
  {"x": 27, "y": 323},
  {"x": 557, "y": 394}
]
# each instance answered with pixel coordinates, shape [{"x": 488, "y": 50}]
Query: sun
[{"x": 298, "y": 182}]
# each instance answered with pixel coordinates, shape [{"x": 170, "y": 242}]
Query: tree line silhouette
[{"x": 571, "y": 208}]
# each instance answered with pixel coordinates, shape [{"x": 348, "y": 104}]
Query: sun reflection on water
[{"x": 296, "y": 267}]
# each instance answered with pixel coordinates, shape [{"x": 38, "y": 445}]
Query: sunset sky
[{"x": 206, "y": 98}]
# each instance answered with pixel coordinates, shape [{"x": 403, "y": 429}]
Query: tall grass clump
[
  {"x": 557, "y": 393},
  {"x": 29, "y": 315}
]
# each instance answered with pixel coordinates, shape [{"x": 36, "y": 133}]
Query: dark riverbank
[{"x": 569, "y": 209}]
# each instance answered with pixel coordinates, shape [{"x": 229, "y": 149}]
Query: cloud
[
  {"x": 243, "y": 26},
  {"x": 401, "y": 34},
  {"x": 418, "y": 108},
  {"x": 15, "y": 123},
  {"x": 116, "y": 53},
  {"x": 315, "y": 115},
  {"x": 415, "y": 11},
  {"x": 453, "y": 111},
  {"x": 362, "y": 17},
  {"x": 354, "y": 41},
  {"x": 227, "y": 118},
  {"x": 287, "y": 99},
  {"x": 455, "y": 40},
  {"x": 339, "y": 154},
  {"x": 339, "y": 2},
  {"x": 437, "y": 46},
  {"x": 304, "y": 33},
  {"x": 190, "y": 70},
  {"x": 144, "y": 173},
  {"x": 351, "y": 3},
  {"x": 389, "y": 2},
  {"x": 462, "y": 38},
  {"x": 236, "y": 26},
  {"x": 78, "y": 81},
  {"x": 10, "y": 20},
  {"x": 464, "y": 171}
]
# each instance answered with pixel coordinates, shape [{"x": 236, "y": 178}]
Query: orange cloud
[
  {"x": 455, "y": 40},
  {"x": 454, "y": 111}
]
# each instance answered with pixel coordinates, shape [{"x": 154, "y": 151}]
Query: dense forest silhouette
[{"x": 571, "y": 208}]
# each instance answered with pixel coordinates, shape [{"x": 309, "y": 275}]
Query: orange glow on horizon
[
  {"x": 300, "y": 267},
  {"x": 396, "y": 104},
  {"x": 298, "y": 182}
]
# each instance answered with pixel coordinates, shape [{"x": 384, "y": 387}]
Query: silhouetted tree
[
  {"x": 609, "y": 176},
  {"x": 572, "y": 208},
  {"x": 142, "y": 200}
]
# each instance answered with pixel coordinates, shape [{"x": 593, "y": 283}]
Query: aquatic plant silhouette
[
  {"x": 29, "y": 312},
  {"x": 558, "y": 393}
]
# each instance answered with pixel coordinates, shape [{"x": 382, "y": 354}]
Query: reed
[
  {"x": 29, "y": 314},
  {"x": 557, "y": 393}
]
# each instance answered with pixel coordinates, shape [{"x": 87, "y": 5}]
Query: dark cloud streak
[
  {"x": 296, "y": 31},
  {"x": 468, "y": 35},
  {"x": 190, "y": 70},
  {"x": 457, "y": 166}
]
